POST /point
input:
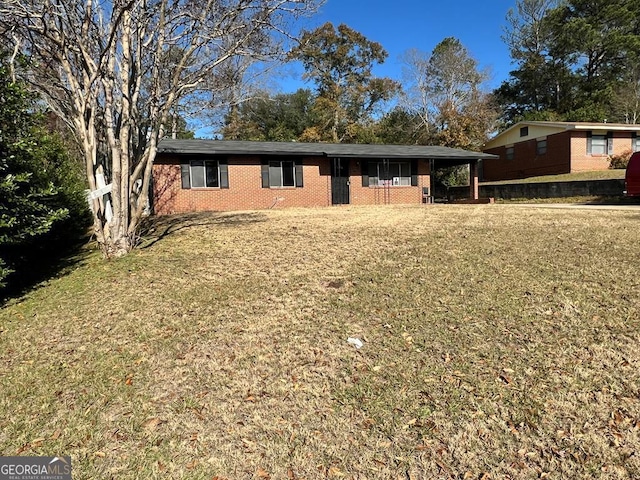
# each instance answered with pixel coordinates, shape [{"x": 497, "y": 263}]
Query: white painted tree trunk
[{"x": 115, "y": 70}]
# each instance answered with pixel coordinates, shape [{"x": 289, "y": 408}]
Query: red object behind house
[{"x": 632, "y": 177}]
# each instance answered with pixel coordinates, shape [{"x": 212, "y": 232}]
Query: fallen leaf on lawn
[
  {"x": 99, "y": 454},
  {"x": 335, "y": 472},
  {"x": 37, "y": 442},
  {"x": 151, "y": 423},
  {"x": 23, "y": 448},
  {"x": 261, "y": 473},
  {"x": 55, "y": 435}
]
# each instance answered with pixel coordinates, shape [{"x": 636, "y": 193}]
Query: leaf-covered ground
[{"x": 499, "y": 342}]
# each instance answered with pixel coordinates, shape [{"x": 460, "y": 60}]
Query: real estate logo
[{"x": 35, "y": 468}]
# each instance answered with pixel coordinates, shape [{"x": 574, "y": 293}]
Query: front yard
[{"x": 499, "y": 342}]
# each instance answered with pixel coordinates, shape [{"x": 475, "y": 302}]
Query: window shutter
[
  {"x": 185, "y": 174},
  {"x": 609, "y": 143},
  {"x": 224, "y": 173},
  {"x": 589, "y": 148},
  {"x": 365, "y": 172},
  {"x": 299, "y": 179},
  {"x": 265, "y": 173},
  {"x": 414, "y": 173}
]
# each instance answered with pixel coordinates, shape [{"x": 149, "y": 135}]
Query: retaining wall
[{"x": 585, "y": 188}]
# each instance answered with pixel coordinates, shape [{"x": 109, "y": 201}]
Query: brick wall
[
  {"x": 566, "y": 153},
  {"x": 387, "y": 195},
  {"x": 245, "y": 190},
  {"x": 526, "y": 161},
  {"x": 581, "y": 161}
]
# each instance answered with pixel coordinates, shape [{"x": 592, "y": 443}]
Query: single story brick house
[
  {"x": 195, "y": 175},
  {"x": 530, "y": 149}
]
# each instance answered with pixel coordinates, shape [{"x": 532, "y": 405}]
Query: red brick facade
[
  {"x": 582, "y": 161},
  {"x": 245, "y": 190},
  {"x": 566, "y": 152}
]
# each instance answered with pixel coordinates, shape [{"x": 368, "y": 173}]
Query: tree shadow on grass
[
  {"x": 55, "y": 257},
  {"x": 47, "y": 259},
  {"x": 155, "y": 229}
]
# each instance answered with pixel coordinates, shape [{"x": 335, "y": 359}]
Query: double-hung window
[
  {"x": 599, "y": 144},
  {"x": 282, "y": 173},
  {"x": 204, "y": 173},
  {"x": 541, "y": 147},
  {"x": 509, "y": 153},
  {"x": 636, "y": 144}
]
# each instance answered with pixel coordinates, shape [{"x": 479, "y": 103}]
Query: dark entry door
[{"x": 340, "y": 181}]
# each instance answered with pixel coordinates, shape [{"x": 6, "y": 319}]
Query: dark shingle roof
[{"x": 234, "y": 147}]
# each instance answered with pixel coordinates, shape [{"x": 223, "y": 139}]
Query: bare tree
[
  {"x": 416, "y": 96},
  {"x": 446, "y": 90},
  {"x": 626, "y": 100},
  {"x": 118, "y": 71}
]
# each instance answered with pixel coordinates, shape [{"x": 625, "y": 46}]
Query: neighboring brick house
[
  {"x": 194, "y": 175},
  {"x": 530, "y": 149}
]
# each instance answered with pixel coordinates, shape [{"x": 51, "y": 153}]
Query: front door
[{"x": 340, "y": 181}]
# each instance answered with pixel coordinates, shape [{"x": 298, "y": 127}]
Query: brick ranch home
[
  {"x": 530, "y": 149},
  {"x": 195, "y": 175}
]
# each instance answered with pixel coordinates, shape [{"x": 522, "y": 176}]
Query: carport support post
[{"x": 474, "y": 191}]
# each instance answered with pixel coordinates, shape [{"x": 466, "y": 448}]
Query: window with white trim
[
  {"x": 204, "y": 173},
  {"x": 598, "y": 144},
  {"x": 389, "y": 174},
  {"x": 635, "y": 145},
  {"x": 282, "y": 173}
]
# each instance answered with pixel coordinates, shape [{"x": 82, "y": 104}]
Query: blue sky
[{"x": 400, "y": 25}]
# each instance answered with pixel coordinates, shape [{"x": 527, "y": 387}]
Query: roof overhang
[
  {"x": 550, "y": 128},
  {"x": 331, "y": 150}
]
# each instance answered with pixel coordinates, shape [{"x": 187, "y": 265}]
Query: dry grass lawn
[
  {"x": 569, "y": 177},
  {"x": 498, "y": 343}
]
